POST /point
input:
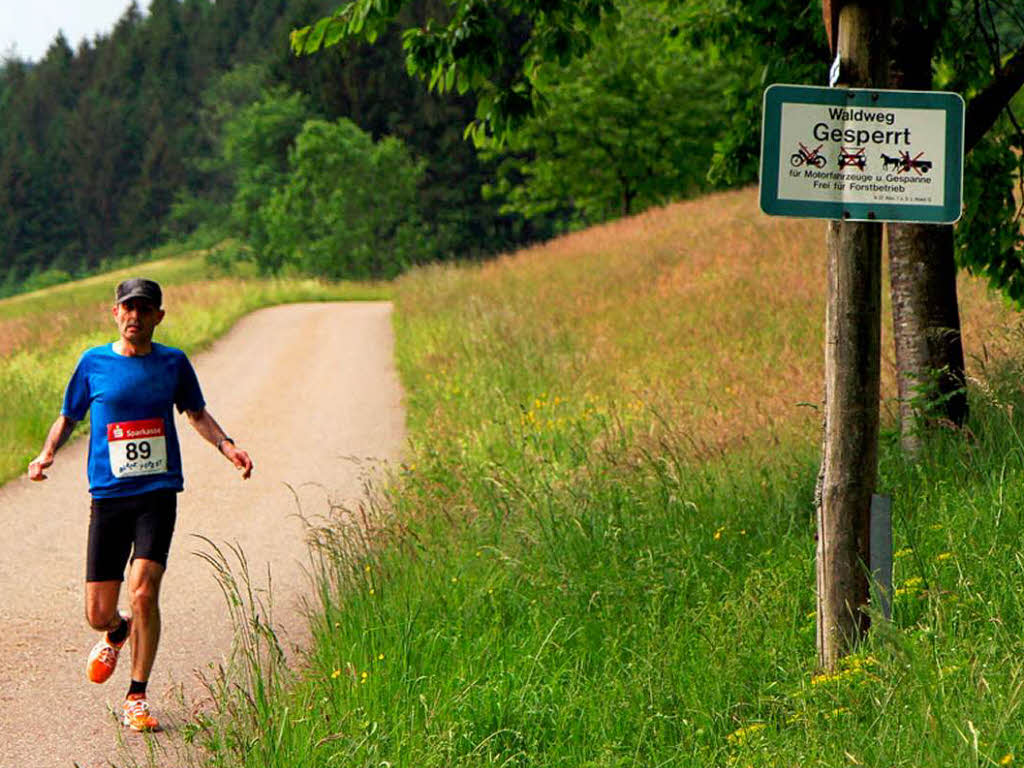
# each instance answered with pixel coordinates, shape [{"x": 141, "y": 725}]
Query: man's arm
[
  {"x": 57, "y": 436},
  {"x": 211, "y": 431}
]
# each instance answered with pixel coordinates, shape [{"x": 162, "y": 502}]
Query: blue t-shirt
[{"x": 133, "y": 445}]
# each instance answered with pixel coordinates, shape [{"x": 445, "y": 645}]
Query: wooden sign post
[{"x": 852, "y": 349}]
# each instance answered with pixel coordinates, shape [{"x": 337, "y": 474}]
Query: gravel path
[{"x": 305, "y": 389}]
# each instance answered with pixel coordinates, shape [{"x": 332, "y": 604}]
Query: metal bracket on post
[
  {"x": 880, "y": 553},
  {"x": 834, "y": 70}
]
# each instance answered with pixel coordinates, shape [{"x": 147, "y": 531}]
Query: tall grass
[
  {"x": 43, "y": 333},
  {"x": 600, "y": 549}
]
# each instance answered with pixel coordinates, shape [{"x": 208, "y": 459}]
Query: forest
[
  {"x": 434, "y": 130},
  {"x": 180, "y": 121}
]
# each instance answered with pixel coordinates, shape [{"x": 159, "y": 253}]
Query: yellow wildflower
[
  {"x": 1006, "y": 759},
  {"x": 943, "y": 556},
  {"x": 336, "y": 673},
  {"x": 823, "y": 678},
  {"x": 910, "y": 587},
  {"x": 835, "y": 677},
  {"x": 740, "y": 735},
  {"x": 859, "y": 662}
]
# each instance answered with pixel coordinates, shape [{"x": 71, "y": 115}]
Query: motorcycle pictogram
[{"x": 805, "y": 156}]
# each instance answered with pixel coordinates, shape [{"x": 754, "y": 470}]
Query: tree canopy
[
  {"x": 579, "y": 111},
  {"x": 505, "y": 51},
  {"x": 630, "y": 124},
  {"x": 107, "y": 149}
]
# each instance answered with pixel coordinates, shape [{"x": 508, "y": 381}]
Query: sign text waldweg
[{"x": 863, "y": 155}]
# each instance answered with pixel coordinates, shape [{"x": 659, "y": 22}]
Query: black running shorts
[{"x": 135, "y": 526}]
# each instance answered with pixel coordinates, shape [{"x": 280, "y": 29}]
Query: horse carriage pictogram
[{"x": 904, "y": 163}]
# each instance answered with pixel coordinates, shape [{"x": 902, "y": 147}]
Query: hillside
[
  {"x": 707, "y": 313},
  {"x": 600, "y": 549}
]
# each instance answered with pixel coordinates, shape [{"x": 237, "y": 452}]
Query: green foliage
[
  {"x": 491, "y": 49},
  {"x": 973, "y": 48},
  {"x": 205, "y": 202},
  {"x": 108, "y": 148},
  {"x": 765, "y": 42},
  {"x": 95, "y": 141},
  {"x": 256, "y": 144},
  {"x": 624, "y": 126},
  {"x": 629, "y": 125},
  {"x": 321, "y": 197},
  {"x": 347, "y": 207},
  {"x": 369, "y": 85},
  {"x": 989, "y": 237}
]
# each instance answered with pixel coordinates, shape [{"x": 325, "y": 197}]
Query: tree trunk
[
  {"x": 926, "y": 329},
  {"x": 922, "y": 273}
]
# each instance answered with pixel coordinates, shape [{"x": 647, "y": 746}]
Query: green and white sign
[{"x": 864, "y": 155}]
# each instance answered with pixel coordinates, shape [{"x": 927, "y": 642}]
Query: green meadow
[{"x": 599, "y": 550}]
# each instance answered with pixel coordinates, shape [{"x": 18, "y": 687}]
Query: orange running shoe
[
  {"x": 103, "y": 656},
  {"x": 136, "y": 714}
]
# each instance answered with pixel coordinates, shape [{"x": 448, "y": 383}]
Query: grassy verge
[
  {"x": 43, "y": 333},
  {"x": 600, "y": 551}
]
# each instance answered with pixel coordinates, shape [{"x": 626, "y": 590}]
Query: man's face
[{"x": 136, "y": 319}]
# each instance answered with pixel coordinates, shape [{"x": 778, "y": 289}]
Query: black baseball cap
[{"x": 139, "y": 288}]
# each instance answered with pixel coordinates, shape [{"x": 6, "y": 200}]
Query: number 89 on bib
[{"x": 137, "y": 447}]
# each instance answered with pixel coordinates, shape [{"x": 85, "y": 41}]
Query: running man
[{"x": 131, "y": 387}]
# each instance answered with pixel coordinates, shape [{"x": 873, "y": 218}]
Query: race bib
[{"x": 137, "y": 447}]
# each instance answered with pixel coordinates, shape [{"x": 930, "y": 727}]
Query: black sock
[
  {"x": 137, "y": 687},
  {"x": 119, "y": 634}
]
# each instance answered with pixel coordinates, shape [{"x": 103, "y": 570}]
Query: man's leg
[
  {"x": 144, "y": 592},
  {"x": 101, "y": 605},
  {"x": 154, "y": 526},
  {"x": 110, "y": 543},
  {"x": 102, "y": 615}
]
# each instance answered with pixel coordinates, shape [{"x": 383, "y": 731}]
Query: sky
[{"x": 29, "y": 26}]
